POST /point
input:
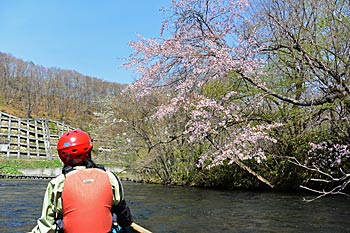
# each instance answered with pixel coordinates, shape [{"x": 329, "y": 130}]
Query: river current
[{"x": 186, "y": 209}]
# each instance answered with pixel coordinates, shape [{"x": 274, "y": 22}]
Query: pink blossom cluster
[
  {"x": 328, "y": 155},
  {"x": 242, "y": 144}
]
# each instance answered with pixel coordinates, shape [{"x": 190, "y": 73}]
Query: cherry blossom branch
[
  {"x": 337, "y": 190},
  {"x": 334, "y": 191},
  {"x": 241, "y": 164}
]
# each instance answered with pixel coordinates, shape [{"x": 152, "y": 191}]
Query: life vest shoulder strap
[
  {"x": 67, "y": 169},
  {"x": 100, "y": 166}
]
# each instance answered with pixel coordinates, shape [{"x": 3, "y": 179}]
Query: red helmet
[{"x": 74, "y": 147}]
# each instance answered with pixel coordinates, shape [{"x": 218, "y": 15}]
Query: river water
[{"x": 185, "y": 209}]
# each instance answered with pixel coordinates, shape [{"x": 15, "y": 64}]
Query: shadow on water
[{"x": 184, "y": 209}]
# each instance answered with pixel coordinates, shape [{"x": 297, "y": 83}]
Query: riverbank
[
  {"x": 22, "y": 168},
  {"x": 14, "y": 165}
]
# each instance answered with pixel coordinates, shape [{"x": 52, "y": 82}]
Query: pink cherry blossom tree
[{"x": 201, "y": 43}]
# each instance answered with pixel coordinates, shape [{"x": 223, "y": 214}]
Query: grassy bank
[{"x": 13, "y": 165}]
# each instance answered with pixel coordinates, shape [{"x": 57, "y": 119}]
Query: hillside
[
  {"x": 10, "y": 109},
  {"x": 34, "y": 91}
]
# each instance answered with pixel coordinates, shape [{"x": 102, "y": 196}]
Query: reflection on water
[{"x": 182, "y": 209}]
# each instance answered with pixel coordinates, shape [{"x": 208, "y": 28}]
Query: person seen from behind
[{"x": 85, "y": 197}]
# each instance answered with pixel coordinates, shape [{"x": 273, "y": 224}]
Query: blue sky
[{"x": 88, "y": 36}]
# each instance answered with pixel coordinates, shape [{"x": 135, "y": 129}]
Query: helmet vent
[{"x": 74, "y": 150}]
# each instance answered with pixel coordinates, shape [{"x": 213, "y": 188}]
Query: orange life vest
[{"x": 86, "y": 201}]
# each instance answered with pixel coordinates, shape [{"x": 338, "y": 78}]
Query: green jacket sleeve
[
  {"x": 124, "y": 216},
  {"x": 52, "y": 205},
  {"x": 118, "y": 193}
]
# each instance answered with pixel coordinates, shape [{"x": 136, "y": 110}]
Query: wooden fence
[{"x": 29, "y": 137}]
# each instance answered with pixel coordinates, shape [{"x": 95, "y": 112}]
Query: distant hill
[{"x": 29, "y": 90}]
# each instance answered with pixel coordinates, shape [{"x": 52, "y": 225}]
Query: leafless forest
[{"x": 35, "y": 91}]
